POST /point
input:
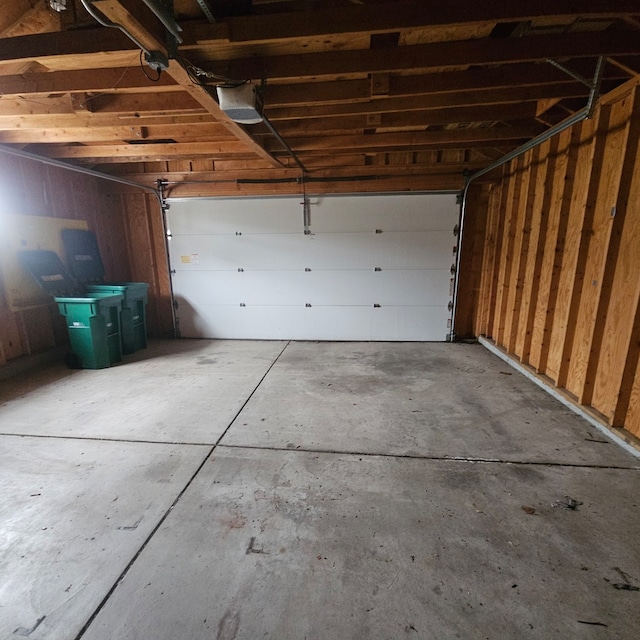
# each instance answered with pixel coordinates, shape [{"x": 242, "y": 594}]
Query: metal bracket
[
  {"x": 594, "y": 84},
  {"x": 206, "y": 9},
  {"x": 569, "y": 72}
]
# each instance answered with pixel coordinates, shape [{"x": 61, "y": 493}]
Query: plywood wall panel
[
  {"x": 160, "y": 313},
  {"x": 608, "y": 178},
  {"x": 577, "y": 317},
  {"x": 569, "y": 141},
  {"x": 10, "y": 335},
  {"x": 34, "y": 189},
  {"x": 492, "y": 217},
  {"x": 498, "y": 202},
  {"x": 58, "y": 196},
  {"x": 38, "y": 329},
  {"x": 505, "y": 257},
  {"x": 471, "y": 261},
  {"x": 113, "y": 240},
  {"x": 533, "y": 248},
  {"x": 522, "y": 215},
  {"x": 139, "y": 235},
  {"x": 632, "y": 414},
  {"x": 574, "y": 253},
  {"x": 31, "y": 187},
  {"x": 552, "y": 193},
  {"x": 621, "y": 286},
  {"x": 138, "y": 238}
]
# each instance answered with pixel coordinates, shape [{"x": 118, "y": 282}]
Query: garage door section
[{"x": 372, "y": 268}]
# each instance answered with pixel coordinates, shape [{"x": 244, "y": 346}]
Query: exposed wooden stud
[
  {"x": 588, "y": 150},
  {"x": 580, "y": 378},
  {"x": 505, "y": 290},
  {"x": 500, "y": 202},
  {"x": 543, "y": 322},
  {"x": 529, "y": 256},
  {"x": 527, "y": 174},
  {"x": 620, "y": 291},
  {"x": 550, "y": 353}
]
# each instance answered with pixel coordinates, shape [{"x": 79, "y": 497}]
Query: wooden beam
[
  {"x": 470, "y": 80},
  {"x": 418, "y": 119},
  {"x": 400, "y": 183},
  {"x": 133, "y": 80},
  {"x": 144, "y": 104},
  {"x": 213, "y": 132},
  {"x": 125, "y": 13},
  {"x": 438, "y": 55},
  {"x": 316, "y": 172},
  {"x": 36, "y": 19},
  {"x": 393, "y": 16},
  {"x": 85, "y": 48},
  {"x": 514, "y": 95},
  {"x": 118, "y": 80},
  {"x": 86, "y": 119},
  {"x": 434, "y": 139},
  {"x": 144, "y": 152}
]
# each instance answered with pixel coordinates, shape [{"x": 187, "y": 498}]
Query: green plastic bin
[
  {"x": 133, "y": 323},
  {"x": 93, "y": 324},
  {"x": 93, "y": 319}
]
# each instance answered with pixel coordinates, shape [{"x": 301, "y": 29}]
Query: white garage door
[{"x": 372, "y": 268}]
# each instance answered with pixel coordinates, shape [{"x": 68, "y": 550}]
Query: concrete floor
[{"x": 243, "y": 490}]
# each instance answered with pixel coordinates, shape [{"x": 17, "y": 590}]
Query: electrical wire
[
  {"x": 198, "y": 74},
  {"x": 142, "y": 66}
]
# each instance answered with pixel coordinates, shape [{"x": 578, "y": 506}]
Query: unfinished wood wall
[
  {"x": 128, "y": 244},
  {"x": 552, "y": 256}
]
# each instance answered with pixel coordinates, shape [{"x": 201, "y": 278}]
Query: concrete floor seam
[
  {"x": 148, "y": 539},
  {"x": 468, "y": 460},
  {"x": 396, "y": 523},
  {"x": 246, "y": 402},
  {"x": 173, "y": 443},
  {"x": 122, "y": 576}
]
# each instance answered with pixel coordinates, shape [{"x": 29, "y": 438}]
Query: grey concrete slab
[
  {"x": 416, "y": 399},
  {"x": 174, "y": 391},
  {"x": 73, "y": 514},
  {"x": 291, "y": 545}
]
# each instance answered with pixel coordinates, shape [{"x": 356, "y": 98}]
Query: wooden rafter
[
  {"x": 405, "y": 86},
  {"x": 124, "y": 13}
]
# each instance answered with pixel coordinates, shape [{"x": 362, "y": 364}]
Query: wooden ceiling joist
[
  {"x": 416, "y": 91},
  {"x": 395, "y": 16},
  {"x": 435, "y": 56},
  {"x": 126, "y": 14}
]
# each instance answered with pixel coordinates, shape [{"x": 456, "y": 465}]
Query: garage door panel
[
  {"x": 347, "y": 213},
  {"x": 244, "y": 268},
  {"x": 236, "y": 215},
  {"x": 387, "y": 213},
  {"x": 395, "y": 250},
  {"x": 276, "y": 288},
  {"x": 318, "y": 323},
  {"x": 427, "y": 323}
]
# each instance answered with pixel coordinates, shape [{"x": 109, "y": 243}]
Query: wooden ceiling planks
[{"x": 405, "y": 85}]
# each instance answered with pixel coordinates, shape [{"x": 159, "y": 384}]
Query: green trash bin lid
[
  {"x": 49, "y": 272},
  {"x": 83, "y": 255}
]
